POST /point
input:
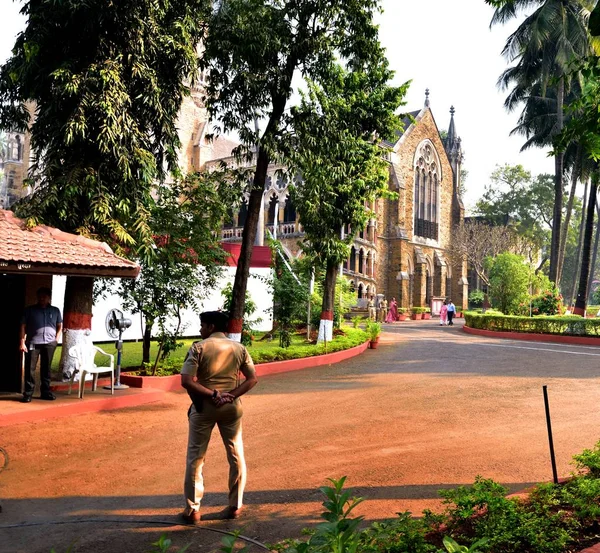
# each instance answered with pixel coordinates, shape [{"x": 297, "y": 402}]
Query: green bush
[
  {"x": 510, "y": 280},
  {"x": 352, "y": 338},
  {"x": 571, "y": 325},
  {"x": 418, "y": 310},
  {"x": 476, "y": 298}
]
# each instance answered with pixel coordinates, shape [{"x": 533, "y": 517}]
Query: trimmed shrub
[{"x": 571, "y": 325}]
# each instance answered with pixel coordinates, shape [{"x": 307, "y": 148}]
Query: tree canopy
[{"x": 104, "y": 82}]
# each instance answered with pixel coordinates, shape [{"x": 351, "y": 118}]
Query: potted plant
[
  {"x": 402, "y": 315},
  {"x": 374, "y": 330},
  {"x": 416, "y": 313},
  {"x": 426, "y": 313}
]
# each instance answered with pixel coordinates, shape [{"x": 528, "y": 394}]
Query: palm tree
[
  {"x": 543, "y": 47},
  {"x": 582, "y": 291}
]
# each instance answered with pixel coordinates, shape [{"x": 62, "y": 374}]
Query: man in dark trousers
[
  {"x": 211, "y": 375},
  {"x": 41, "y": 326},
  {"x": 451, "y": 313}
]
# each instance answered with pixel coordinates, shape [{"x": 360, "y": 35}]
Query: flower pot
[
  {"x": 426, "y": 316},
  {"x": 402, "y": 317},
  {"x": 373, "y": 344},
  {"x": 416, "y": 316}
]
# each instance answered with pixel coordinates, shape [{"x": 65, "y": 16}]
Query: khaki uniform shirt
[{"x": 216, "y": 362}]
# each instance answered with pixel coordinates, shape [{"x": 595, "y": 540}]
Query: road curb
[{"x": 530, "y": 337}]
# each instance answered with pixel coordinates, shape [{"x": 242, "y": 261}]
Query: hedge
[
  {"x": 353, "y": 337},
  {"x": 571, "y": 325}
]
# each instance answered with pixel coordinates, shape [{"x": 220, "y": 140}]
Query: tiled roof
[{"x": 47, "y": 247}]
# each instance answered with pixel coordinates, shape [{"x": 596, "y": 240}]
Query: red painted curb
[
  {"x": 277, "y": 367},
  {"x": 173, "y": 383},
  {"x": 165, "y": 383},
  {"x": 530, "y": 337},
  {"x": 78, "y": 407}
]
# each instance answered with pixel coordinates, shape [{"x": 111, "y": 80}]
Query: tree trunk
[
  {"x": 146, "y": 341},
  {"x": 558, "y": 188},
  {"x": 77, "y": 318},
  {"x": 327, "y": 308},
  {"x": 579, "y": 246},
  {"x": 581, "y": 301},
  {"x": 565, "y": 227},
  {"x": 255, "y": 204},
  {"x": 594, "y": 255}
]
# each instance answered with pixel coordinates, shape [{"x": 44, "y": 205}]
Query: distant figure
[
  {"x": 372, "y": 310},
  {"x": 451, "y": 312},
  {"x": 41, "y": 326},
  {"x": 444, "y": 314},
  {"x": 383, "y": 309},
  {"x": 392, "y": 314}
]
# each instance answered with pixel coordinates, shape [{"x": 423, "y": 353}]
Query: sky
[{"x": 447, "y": 47}]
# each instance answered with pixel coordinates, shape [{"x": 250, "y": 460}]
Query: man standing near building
[
  {"x": 41, "y": 326},
  {"x": 372, "y": 310},
  {"x": 451, "y": 312},
  {"x": 210, "y": 374}
]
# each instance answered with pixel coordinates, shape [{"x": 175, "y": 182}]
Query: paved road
[{"x": 431, "y": 408}]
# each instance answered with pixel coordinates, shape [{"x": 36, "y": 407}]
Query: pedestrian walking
[
  {"x": 210, "y": 374},
  {"x": 392, "y": 315},
  {"x": 383, "y": 309},
  {"x": 41, "y": 326},
  {"x": 444, "y": 314},
  {"x": 451, "y": 312}
]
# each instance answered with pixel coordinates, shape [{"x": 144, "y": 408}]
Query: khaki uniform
[
  {"x": 372, "y": 310},
  {"x": 216, "y": 362}
]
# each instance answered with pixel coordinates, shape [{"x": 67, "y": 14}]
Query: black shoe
[
  {"x": 26, "y": 399},
  {"x": 49, "y": 396}
]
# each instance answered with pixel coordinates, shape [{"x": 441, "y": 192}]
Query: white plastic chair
[{"x": 84, "y": 355}]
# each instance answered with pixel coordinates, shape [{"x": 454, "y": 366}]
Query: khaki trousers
[{"x": 228, "y": 419}]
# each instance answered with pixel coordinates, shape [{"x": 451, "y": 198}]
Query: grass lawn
[{"x": 262, "y": 351}]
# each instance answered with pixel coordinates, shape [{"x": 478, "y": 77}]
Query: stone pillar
[
  {"x": 420, "y": 285},
  {"x": 439, "y": 282},
  {"x": 260, "y": 230}
]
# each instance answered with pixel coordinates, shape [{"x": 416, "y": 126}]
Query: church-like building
[{"x": 402, "y": 251}]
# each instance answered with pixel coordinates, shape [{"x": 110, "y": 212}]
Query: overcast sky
[{"x": 446, "y": 47}]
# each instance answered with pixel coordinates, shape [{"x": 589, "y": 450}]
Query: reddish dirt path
[{"x": 431, "y": 408}]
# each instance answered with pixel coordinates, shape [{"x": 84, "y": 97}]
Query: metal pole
[{"x": 550, "y": 440}]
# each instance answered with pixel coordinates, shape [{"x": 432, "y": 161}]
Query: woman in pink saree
[
  {"x": 444, "y": 314},
  {"x": 392, "y": 315}
]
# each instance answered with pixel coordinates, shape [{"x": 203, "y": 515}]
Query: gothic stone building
[{"x": 402, "y": 251}]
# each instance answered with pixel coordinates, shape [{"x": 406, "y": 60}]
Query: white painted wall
[{"x": 258, "y": 291}]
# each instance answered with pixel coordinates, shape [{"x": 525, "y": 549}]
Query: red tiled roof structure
[{"x": 44, "y": 249}]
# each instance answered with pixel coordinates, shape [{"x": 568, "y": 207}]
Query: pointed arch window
[{"x": 427, "y": 192}]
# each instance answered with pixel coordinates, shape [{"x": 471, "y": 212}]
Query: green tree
[
  {"x": 516, "y": 199},
  {"x": 337, "y": 128},
  {"x": 253, "y": 51},
  {"x": 105, "y": 82},
  {"x": 186, "y": 264},
  {"x": 290, "y": 297},
  {"x": 510, "y": 279},
  {"x": 544, "y": 46}
]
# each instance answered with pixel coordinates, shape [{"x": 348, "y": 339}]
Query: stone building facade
[
  {"x": 402, "y": 251},
  {"x": 14, "y": 167}
]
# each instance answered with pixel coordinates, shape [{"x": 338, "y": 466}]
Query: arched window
[
  {"x": 229, "y": 221},
  {"x": 360, "y": 291},
  {"x": 361, "y": 262},
  {"x": 243, "y": 214},
  {"x": 272, "y": 209},
  {"x": 427, "y": 191},
  {"x": 353, "y": 259},
  {"x": 289, "y": 211}
]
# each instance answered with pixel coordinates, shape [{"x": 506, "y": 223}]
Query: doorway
[{"x": 12, "y": 289}]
